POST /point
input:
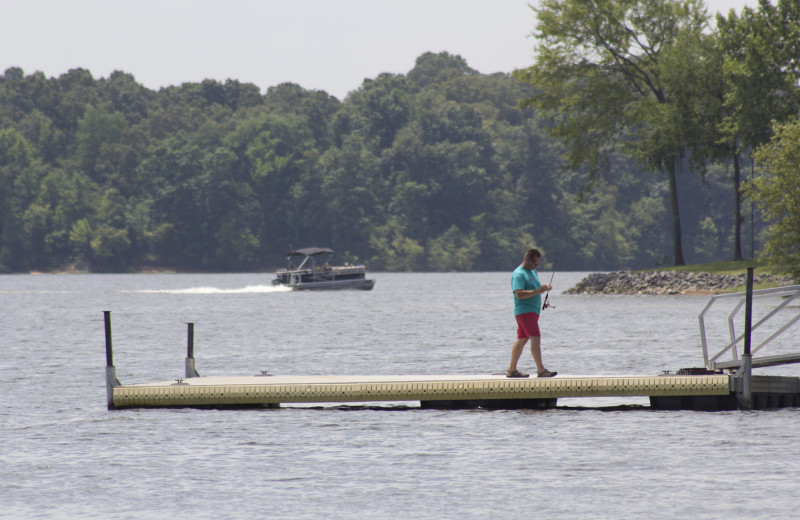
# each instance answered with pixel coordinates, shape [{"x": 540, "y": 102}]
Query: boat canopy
[{"x": 311, "y": 251}]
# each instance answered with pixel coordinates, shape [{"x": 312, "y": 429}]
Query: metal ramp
[{"x": 713, "y": 362}]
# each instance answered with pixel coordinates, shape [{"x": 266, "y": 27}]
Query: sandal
[
  {"x": 546, "y": 373},
  {"x": 516, "y": 373}
]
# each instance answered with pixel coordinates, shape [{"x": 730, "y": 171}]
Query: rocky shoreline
[{"x": 667, "y": 282}]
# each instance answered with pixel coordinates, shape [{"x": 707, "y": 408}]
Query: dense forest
[{"x": 439, "y": 169}]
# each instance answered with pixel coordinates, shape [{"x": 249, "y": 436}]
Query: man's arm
[{"x": 524, "y": 294}]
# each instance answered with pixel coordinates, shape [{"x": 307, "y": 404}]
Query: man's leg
[
  {"x": 536, "y": 350},
  {"x": 516, "y": 352}
]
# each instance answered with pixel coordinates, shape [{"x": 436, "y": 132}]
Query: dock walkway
[
  {"x": 697, "y": 392},
  {"x": 432, "y": 391}
]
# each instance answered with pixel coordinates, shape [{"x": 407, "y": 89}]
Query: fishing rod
[{"x": 546, "y": 303}]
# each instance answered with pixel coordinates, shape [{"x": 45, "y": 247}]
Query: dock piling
[
  {"x": 190, "y": 367},
  {"x": 744, "y": 393},
  {"x": 109, "y": 351},
  {"x": 111, "y": 371}
]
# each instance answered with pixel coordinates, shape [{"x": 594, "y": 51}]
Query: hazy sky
[{"x": 330, "y": 45}]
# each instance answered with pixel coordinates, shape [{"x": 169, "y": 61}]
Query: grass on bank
[
  {"x": 762, "y": 266},
  {"x": 728, "y": 267}
]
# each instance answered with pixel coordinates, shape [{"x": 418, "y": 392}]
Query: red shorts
[{"x": 527, "y": 325}]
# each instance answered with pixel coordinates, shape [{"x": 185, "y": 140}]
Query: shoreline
[
  {"x": 622, "y": 282},
  {"x": 144, "y": 270},
  {"x": 669, "y": 283}
]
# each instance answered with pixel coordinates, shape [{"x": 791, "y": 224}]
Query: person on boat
[{"x": 527, "y": 306}]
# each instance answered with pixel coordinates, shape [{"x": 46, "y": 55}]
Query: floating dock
[
  {"x": 693, "y": 392},
  {"x": 707, "y": 388},
  {"x": 433, "y": 391}
]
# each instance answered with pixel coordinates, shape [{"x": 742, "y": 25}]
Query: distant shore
[
  {"x": 149, "y": 269},
  {"x": 616, "y": 282},
  {"x": 668, "y": 282}
]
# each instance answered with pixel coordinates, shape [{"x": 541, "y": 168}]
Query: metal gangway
[{"x": 788, "y": 293}]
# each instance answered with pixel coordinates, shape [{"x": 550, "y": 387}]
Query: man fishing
[{"x": 527, "y": 306}]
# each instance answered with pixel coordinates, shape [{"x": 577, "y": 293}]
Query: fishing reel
[{"x": 547, "y": 303}]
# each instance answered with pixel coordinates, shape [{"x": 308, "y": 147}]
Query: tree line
[{"x": 439, "y": 169}]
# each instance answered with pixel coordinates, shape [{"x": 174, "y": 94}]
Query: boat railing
[
  {"x": 350, "y": 269},
  {"x": 712, "y": 362}
]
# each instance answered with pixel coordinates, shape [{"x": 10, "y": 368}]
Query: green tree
[
  {"x": 124, "y": 95},
  {"x": 777, "y": 192},
  {"x": 760, "y": 77},
  {"x": 396, "y": 251},
  {"x": 352, "y": 191},
  {"x": 18, "y": 180},
  {"x": 439, "y": 165},
  {"x": 38, "y": 129},
  {"x": 376, "y": 111},
  {"x": 109, "y": 247},
  {"x": 597, "y": 73},
  {"x": 77, "y": 91},
  {"x": 96, "y": 129},
  {"x": 453, "y": 250},
  {"x": 231, "y": 207},
  {"x": 706, "y": 243},
  {"x": 80, "y": 239},
  {"x": 280, "y": 173},
  {"x": 438, "y": 69},
  {"x": 317, "y": 107},
  {"x": 173, "y": 169}
]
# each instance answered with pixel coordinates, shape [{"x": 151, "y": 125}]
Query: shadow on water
[{"x": 410, "y": 407}]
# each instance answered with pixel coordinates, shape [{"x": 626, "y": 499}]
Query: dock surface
[{"x": 432, "y": 390}]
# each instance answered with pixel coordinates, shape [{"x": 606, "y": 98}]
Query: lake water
[{"x": 64, "y": 455}]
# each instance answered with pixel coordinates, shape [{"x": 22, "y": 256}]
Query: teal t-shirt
[{"x": 526, "y": 280}]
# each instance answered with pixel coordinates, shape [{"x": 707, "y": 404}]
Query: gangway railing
[{"x": 789, "y": 293}]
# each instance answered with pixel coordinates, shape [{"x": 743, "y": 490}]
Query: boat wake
[{"x": 250, "y": 289}]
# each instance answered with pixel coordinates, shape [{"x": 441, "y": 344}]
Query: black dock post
[
  {"x": 111, "y": 371},
  {"x": 190, "y": 369},
  {"x": 745, "y": 371},
  {"x": 109, "y": 350}
]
